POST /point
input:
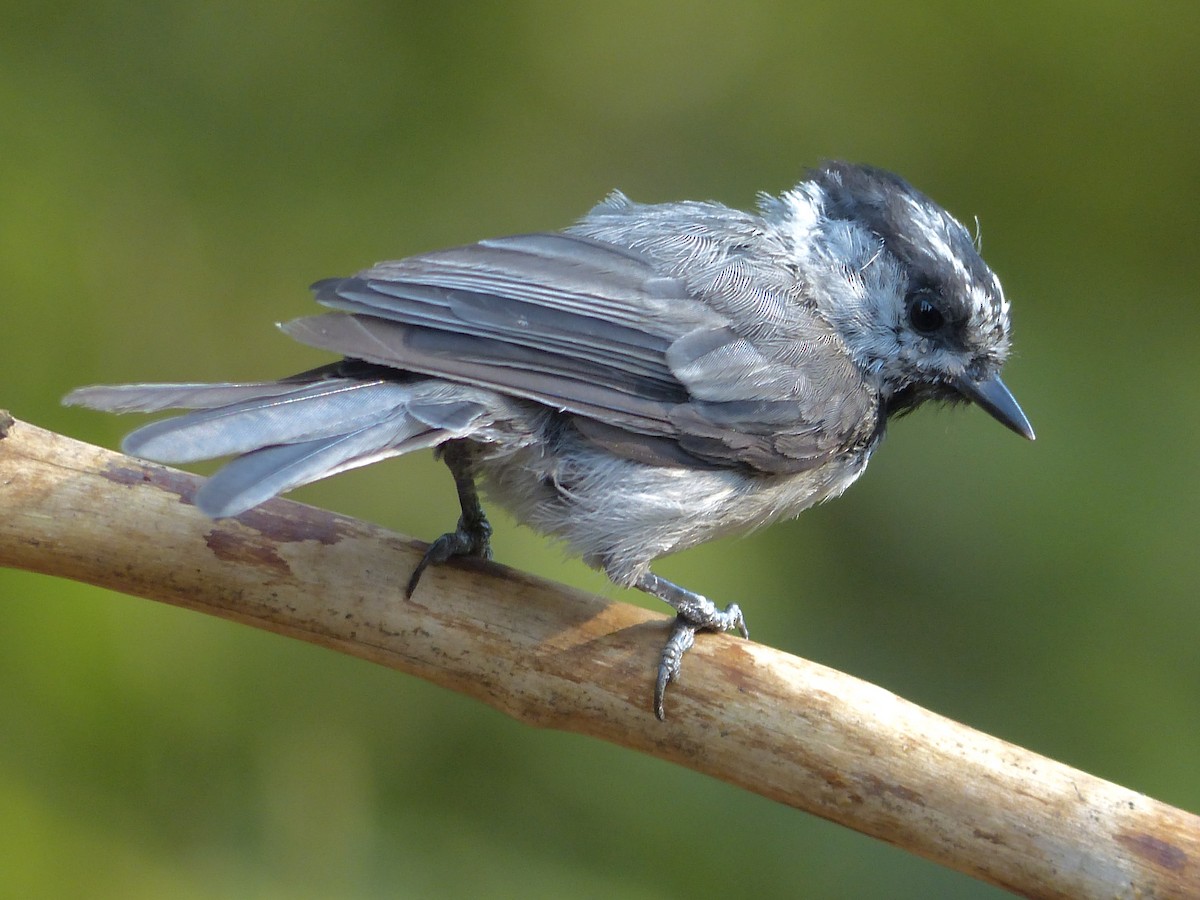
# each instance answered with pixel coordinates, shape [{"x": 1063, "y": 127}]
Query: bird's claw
[
  {"x": 700, "y": 617},
  {"x": 469, "y": 539}
]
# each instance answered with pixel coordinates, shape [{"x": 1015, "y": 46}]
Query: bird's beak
[{"x": 992, "y": 395}]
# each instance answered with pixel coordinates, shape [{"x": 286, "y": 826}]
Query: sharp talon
[
  {"x": 660, "y": 692},
  {"x": 734, "y": 613},
  {"x": 416, "y": 576}
]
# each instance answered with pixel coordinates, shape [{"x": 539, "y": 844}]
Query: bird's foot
[
  {"x": 695, "y": 613},
  {"x": 471, "y": 538}
]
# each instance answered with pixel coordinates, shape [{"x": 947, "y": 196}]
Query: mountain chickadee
[{"x": 648, "y": 379}]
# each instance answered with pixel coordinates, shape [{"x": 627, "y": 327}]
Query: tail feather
[
  {"x": 290, "y": 432},
  {"x": 302, "y": 413},
  {"x": 123, "y": 398},
  {"x": 256, "y": 477}
]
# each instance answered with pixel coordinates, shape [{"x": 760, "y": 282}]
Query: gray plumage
[{"x": 651, "y": 378}]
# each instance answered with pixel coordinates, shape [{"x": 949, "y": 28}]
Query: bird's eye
[{"x": 924, "y": 314}]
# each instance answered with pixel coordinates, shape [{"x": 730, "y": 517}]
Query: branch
[{"x": 788, "y": 729}]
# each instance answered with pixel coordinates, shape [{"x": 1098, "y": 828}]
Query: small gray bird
[{"x": 652, "y": 377}]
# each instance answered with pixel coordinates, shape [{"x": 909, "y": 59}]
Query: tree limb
[{"x": 788, "y": 729}]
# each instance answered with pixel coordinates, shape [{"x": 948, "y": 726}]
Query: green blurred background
[{"x": 172, "y": 176}]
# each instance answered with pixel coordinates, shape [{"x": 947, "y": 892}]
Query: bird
[{"x": 649, "y": 378}]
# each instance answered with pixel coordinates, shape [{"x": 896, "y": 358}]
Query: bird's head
[{"x": 902, "y": 282}]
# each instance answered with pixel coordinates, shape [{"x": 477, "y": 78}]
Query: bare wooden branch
[{"x": 788, "y": 729}]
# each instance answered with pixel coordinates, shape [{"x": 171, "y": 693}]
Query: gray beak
[{"x": 992, "y": 395}]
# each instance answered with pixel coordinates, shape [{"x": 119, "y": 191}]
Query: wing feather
[{"x": 600, "y": 331}]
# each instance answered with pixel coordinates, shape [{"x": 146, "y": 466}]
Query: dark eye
[{"x": 924, "y": 314}]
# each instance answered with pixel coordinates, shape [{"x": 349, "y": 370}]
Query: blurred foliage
[{"x": 173, "y": 175}]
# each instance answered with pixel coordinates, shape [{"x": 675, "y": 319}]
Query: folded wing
[{"x": 646, "y": 366}]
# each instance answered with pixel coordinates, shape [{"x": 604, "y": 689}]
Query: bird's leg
[
  {"x": 695, "y": 613},
  {"x": 473, "y": 535}
]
